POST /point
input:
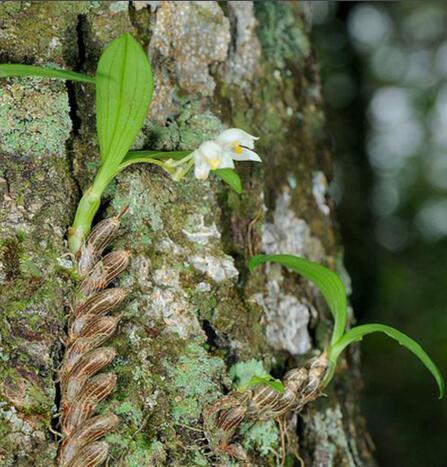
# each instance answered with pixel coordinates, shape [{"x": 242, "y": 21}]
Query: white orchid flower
[
  {"x": 237, "y": 144},
  {"x": 210, "y": 156},
  {"x": 231, "y": 145}
]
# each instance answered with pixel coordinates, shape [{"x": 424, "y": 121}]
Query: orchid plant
[
  {"x": 124, "y": 87},
  {"x": 334, "y": 292}
]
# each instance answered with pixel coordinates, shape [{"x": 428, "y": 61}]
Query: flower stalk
[{"x": 211, "y": 156}]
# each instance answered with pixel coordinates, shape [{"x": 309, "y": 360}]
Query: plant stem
[
  {"x": 87, "y": 208},
  {"x": 331, "y": 365}
]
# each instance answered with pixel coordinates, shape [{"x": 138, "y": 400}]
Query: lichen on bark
[{"x": 193, "y": 310}]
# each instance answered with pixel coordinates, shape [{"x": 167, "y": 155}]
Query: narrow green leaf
[
  {"x": 8, "y": 70},
  {"x": 230, "y": 177},
  {"x": 123, "y": 92},
  {"x": 357, "y": 334},
  {"x": 328, "y": 282},
  {"x": 268, "y": 380},
  {"x": 141, "y": 155}
]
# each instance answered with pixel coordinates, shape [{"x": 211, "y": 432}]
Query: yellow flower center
[
  {"x": 237, "y": 149},
  {"x": 214, "y": 163}
]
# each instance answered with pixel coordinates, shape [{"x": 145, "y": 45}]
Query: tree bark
[{"x": 194, "y": 310}]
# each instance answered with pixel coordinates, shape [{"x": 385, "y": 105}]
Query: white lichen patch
[
  {"x": 141, "y": 4},
  {"x": 168, "y": 246},
  {"x": 133, "y": 337},
  {"x": 166, "y": 277},
  {"x": 291, "y": 180},
  {"x": 9, "y": 413},
  {"x": 292, "y": 333},
  {"x": 217, "y": 268},
  {"x": 343, "y": 273},
  {"x": 198, "y": 232},
  {"x": 119, "y": 6},
  {"x": 2, "y": 273},
  {"x": 288, "y": 234},
  {"x": 140, "y": 274},
  {"x": 166, "y": 301},
  {"x": 203, "y": 287},
  {"x": 188, "y": 38},
  {"x": 173, "y": 307},
  {"x": 331, "y": 437},
  {"x": 263, "y": 435},
  {"x": 54, "y": 43},
  {"x": 65, "y": 261},
  {"x": 193, "y": 35},
  {"x": 319, "y": 190},
  {"x": 245, "y": 54},
  {"x": 287, "y": 318},
  {"x": 41, "y": 351}
]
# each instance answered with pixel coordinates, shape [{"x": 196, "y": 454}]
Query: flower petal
[
  {"x": 201, "y": 170},
  {"x": 247, "y": 155},
  {"x": 197, "y": 156},
  {"x": 211, "y": 150},
  {"x": 236, "y": 136},
  {"x": 226, "y": 163}
]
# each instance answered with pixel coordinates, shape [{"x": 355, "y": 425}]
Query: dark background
[{"x": 384, "y": 72}]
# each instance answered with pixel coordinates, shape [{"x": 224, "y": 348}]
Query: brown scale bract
[
  {"x": 223, "y": 417},
  {"x": 83, "y": 386}
]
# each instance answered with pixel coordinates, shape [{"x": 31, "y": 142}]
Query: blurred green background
[{"x": 384, "y": 77}]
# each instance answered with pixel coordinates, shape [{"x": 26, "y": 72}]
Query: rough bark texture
[{"x": 194, "y": 311}]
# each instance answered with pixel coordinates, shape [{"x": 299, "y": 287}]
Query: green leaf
[
  {"x": 230, "y": 177},
  {"x": 328, "y": 282},
  {"x": 8, "y": 70},
  {"x": 141, "y": 156},
  {"x": 123, "y": 92},
  {"x": 357, "y": 334},
  {"x": 268, "y": 380}
]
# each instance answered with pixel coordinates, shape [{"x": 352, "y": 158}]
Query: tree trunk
[{"x": 194, "y": 310}]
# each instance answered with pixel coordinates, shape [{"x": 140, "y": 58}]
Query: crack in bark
[
  {"x": 55, "y": 419},
  {"x": 79, "y": 64},
  {"x": 76, "y": 120}
]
